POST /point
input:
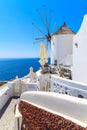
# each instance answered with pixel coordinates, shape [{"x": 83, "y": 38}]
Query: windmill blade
[
  {"x": 38, "y": 29},
  {"x": 46, "y": 22},
  {"x": 53, "y": 29},
  {"x": 46, "y": 18},
  {"x": 35, "y": 42},
  {"x": 42, "y": 19},
  {"x": 47, "y": 45},
  {"x": 49, "y": 21},
  {"x": 40, "y": 38}
]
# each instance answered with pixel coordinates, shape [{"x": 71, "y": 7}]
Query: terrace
[{"x": 15, "y": 120}]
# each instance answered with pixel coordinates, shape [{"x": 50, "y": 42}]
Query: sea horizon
[
  {"x": 12, "y": 67},
  {"x": 20, "y": 58}
]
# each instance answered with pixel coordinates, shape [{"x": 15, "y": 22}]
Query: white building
[
  {"x": 79, "y": 72},
  {"x": 62, "y": 46}
]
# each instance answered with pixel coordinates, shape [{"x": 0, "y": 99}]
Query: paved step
[{"x": 7, "y": 114}]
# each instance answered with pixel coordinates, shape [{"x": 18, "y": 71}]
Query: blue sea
[{"x": 10, "y": 68}]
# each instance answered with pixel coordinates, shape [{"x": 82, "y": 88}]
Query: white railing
[{"x": 65, "y": 86}]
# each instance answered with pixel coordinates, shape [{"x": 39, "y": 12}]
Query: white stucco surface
[
  {"x": 79, "y": 72},
  {"x": 61, "y": 49},
  {"x": 18, "y": 120},
  {"x": 4, "y": 96},
  {"x": 71, "y": 108},
  {"x": 70, "y": 87}
]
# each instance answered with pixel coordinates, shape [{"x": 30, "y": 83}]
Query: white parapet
[
  {"x": 4, "y": 96},
  {"x": 18, "y": 119},
  {"x": 69, "y": 107},
  {"x": 70, "y": 87}
]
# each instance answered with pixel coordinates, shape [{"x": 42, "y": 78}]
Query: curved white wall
[
  {"x": 61, "y": 49},
  {"x": 4, "y": 96},
  {"x": 71, "y": 108},
  {"x": 79, "y": 72}
]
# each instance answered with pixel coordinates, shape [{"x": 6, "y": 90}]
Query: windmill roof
[{"x": 64, "y": 29}]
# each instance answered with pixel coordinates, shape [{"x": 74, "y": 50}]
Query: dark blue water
[{"x": 10, "y": 68}]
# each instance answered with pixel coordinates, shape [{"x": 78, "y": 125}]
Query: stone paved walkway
[{"x": 7, "y": 115}]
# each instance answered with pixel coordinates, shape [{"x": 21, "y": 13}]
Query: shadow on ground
[{"x": 6, "y": 105}]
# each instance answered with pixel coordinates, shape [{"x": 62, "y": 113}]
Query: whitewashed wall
[
  {"x": 4, "y": 96},
  {"x": 79, "y": 72},
  {"x": 15, "y": 88},
  {"x": 29, "y": 87},
  {"x": 61, "y": 49},
  {"x": 44, "y": 80},
  {"x": 18, "y": 86},
  {"x": 64, "y": 86},
  {"x": 69, "y": 107}
]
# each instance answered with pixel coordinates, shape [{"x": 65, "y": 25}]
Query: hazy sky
[{"x": 16, "y": 16}]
